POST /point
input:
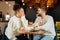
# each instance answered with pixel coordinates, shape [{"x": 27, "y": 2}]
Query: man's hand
[
  {"x": 36, "y": 28},
  {"x": 41, "y": 32},
  {"x": 40, "y": 20}
]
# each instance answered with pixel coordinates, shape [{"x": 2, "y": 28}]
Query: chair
[
  {"x": 0, "y": 34},
  {"x": 56, "y": 34},
  {"x": 4, "y": 36},
  {"x": 55, "y": 38}
]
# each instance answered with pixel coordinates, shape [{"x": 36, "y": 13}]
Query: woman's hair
[{"x": 17, "y": 7}]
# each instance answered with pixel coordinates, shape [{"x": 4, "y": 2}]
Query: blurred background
[{"x": 6, "y": 11}]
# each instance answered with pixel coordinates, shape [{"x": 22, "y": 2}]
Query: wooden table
[{"x": 30, "y": 33}]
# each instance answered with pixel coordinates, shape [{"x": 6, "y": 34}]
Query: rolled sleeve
[{"x": 24, "y": 21}]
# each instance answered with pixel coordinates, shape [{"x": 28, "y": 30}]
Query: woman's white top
[{"x": 14, "y": 26}]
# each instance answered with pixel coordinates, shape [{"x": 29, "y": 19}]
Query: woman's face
[
  {"x": 20, "y": 12},
  {"x": 40, "y": 11}
]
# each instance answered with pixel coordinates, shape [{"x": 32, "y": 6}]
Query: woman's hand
[
  {"x": 23, "y": 31},
  {"x": 23, "y": 14},
  {"x": 22, "y": 28}
]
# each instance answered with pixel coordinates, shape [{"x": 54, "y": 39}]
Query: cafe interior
[{"x": 6, "y": 12}]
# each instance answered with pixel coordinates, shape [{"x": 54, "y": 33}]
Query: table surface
[{"x": 29, "y": 32}]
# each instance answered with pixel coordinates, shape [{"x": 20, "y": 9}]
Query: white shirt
[
  {"x": 47, "y": 26},
  {"x": 14, "y": 26}
]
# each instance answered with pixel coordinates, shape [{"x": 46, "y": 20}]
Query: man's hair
[{"x": 42, "y": 7}]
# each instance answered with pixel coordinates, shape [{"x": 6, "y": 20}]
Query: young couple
[{"x": 19, "y": 22}]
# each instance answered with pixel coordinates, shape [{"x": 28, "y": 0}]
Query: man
[{"x": 46, "y": 23}]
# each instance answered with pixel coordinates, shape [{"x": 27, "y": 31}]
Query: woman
[
  {"x": 46, "y": 23},
  {"x": 16, "y": 23}
]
